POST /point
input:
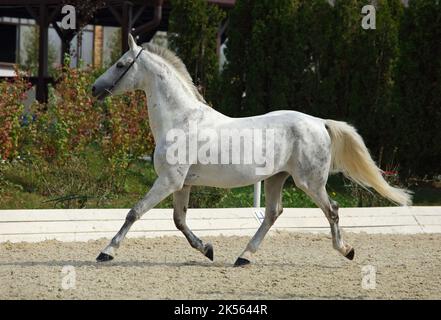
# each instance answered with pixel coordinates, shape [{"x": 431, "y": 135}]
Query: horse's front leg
[
  {"x": 164, "y": 186},
  {"x": 180, "y": 205}
]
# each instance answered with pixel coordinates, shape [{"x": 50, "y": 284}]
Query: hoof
[
  {"x": 350, "y": 254},
  {"x": 241, "y": 262},
  {"x": 103, "y": 257},
  {"x": 209, "y": 251}
]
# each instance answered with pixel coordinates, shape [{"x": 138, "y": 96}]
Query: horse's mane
[{"x": 176, "y": 62}]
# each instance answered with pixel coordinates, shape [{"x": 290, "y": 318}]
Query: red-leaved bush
[
  {"x": 12, "y": 94},
  {"x": 72, "y": 121},
  {"x": 128, "y": 130}
]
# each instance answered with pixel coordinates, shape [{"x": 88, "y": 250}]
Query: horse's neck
[{"x": 168, "y": 104}]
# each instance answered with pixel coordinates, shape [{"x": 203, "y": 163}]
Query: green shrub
[
  {"x": 207, "y": 197},
  {"x": 417, "y": 108},
  {"x": 309, "y": 56}
]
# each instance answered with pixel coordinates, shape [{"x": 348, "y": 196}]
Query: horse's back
[
  {"x": 289, "y": 115},
  {"x": 296, "y": 126}
]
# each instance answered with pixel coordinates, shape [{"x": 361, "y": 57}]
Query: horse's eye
[{"x": 119, "y": 64}]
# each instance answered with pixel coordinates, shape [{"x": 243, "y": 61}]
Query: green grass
[{"x": 87, "y": 182}]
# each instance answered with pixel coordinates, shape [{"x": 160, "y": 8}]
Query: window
[{"x": 8, "y": 34}]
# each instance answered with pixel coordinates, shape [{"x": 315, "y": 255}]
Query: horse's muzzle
[{"x": 100, "y": 93}]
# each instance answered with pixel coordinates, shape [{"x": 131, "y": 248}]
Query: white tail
[{"x": 351, "y": 157}]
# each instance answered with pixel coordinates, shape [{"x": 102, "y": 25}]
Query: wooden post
[
  {"x": 126, "y": 25},
  {"x": 65, "y": 44},
  {"x": 66, "y": 37},
  {"x": 152, "y": 24},
  {"x": 98, "y": 46},
  {"x": 43, "y": 19}
]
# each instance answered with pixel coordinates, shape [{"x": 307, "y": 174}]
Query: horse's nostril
[{"x": 93, "y": 89}]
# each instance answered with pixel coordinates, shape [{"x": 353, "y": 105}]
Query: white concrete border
[{"x": 90, "y": 224}]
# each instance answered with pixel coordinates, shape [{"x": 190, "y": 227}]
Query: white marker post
[{"x": 257, "y": 191}]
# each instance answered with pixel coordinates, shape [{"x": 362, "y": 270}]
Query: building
[{"x": 19, "y": 19}]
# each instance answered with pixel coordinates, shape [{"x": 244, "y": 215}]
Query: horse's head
[{"x": 121, "y": 76}]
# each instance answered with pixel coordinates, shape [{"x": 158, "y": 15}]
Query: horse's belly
[{"x": 226, "y": 176}]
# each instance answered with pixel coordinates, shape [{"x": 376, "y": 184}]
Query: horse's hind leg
[
  {"x": 180, "y": 204},
  {"x": 273, "y": 202},
  {"x": 330, "y": 208}
]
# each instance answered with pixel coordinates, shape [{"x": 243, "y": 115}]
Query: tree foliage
[
  {"x": 193, "y": 33},
  {"x": 418, "y": 89},
  {"x": 313, "y": 57}
]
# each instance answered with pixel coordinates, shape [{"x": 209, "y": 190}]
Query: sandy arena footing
[{"x": 287, "y": 266}]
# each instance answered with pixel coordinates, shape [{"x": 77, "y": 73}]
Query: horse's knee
[{"x": 132, "y": 216}]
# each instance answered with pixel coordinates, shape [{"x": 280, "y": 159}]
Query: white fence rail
[{"x": 89, "y": 224}]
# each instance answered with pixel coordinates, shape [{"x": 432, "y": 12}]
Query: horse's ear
[{"x": 132, "y": 42}]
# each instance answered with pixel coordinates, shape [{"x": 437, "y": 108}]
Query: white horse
[{"x": 306, "y": 148}]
